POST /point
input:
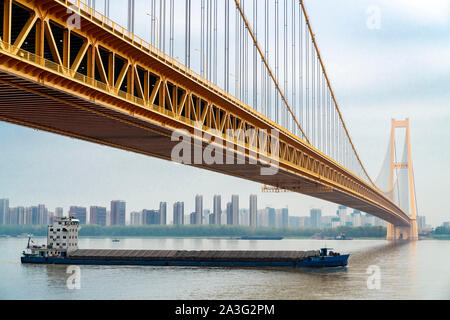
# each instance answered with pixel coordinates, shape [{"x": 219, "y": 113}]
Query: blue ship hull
[{"x": 312, "y": 262}]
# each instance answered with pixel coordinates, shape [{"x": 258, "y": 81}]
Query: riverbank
[{"x": 228, "y": 232}]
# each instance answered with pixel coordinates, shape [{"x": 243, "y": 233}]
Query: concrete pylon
[{"x": 403, "y": 232}]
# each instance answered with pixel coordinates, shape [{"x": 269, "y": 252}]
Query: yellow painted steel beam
[{"x": 296, "y": 157}]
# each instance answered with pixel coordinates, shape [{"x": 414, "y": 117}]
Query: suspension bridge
[{"x": 245, "y": 74}]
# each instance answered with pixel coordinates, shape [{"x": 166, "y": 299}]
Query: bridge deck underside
[{"x": 33, "y": 105}]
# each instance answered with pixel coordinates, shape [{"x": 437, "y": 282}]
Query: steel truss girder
[{"x": 158, "y": 92}]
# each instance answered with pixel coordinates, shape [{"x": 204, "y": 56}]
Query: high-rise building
[
  {"x": 35, "y": 216},
  {"x": 278, "y": 218},
  {"x": 342, "y": 214},
  {"x": 229, "y": 214},
  {"x": 28, "y": 219},
  {"x": 244, "y": 217},
  {"x": 223, "y": 218},
  {"x": 136, "y": 218},
  {"x": 13, "y": 216},
  {"x": 253, "y": 211},
  {"x": 198, "y": 209},
  {"x": 118, "y": 211},
  {"x": 78, "y": 213},
  {"x": 356, "y": 218},
  {"x": 235, "y": 209},
  {"x": 294, "y": 222},
  {"x": 335, "y": 222},
  {"x": 326, "y": 221},
  {"x": 421, "y": 222},
  {"x": 151, "y": 217},
  {"x": 285, "y": 218},
  {"x": 97, "y": 215},
  {"x": 59, "y": 212},
  {"x": 193, "y": 218},
  {"x": 206, "y": 216},
  {"x": 305, "y": 222},
  {"x": 178, "y": 213},
  {"x": 217, "y": 210},
  {"x": 212, "y": 220},
  {"x": 4, "y": 210},
  {"x": 163, "y": 213},
  {"x": 272, "y": 217},
  {"x": 43, "y": 214},
  {"x": 263, "y": 218},
  {"x": 316, "y": 218}
]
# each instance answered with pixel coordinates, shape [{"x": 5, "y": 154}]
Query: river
[{"x": 377, "y": 270}]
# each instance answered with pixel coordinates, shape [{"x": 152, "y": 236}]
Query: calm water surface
[{"x": 416, "y": 270}]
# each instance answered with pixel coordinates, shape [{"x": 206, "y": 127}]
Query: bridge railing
[
  {"x": 64, "y": 71},
  {"x": 107, "y": 23}
]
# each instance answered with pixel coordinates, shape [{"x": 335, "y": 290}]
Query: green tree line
[
  {"x": 200, "y": 231},
  {"x": 442, "y": 230}
]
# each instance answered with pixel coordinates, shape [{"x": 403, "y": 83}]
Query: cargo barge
[{"x": 62, "y": 248}]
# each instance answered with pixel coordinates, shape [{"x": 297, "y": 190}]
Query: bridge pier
[{"x": 410, "y": 233}]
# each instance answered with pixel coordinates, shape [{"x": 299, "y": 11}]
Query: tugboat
[
  {"x": 326, "y": 259},
  {"x": 342, "y": 236},
  {"x": 62, "y": 238}
]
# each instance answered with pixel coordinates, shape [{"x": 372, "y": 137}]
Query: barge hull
[{"x": 194, "y": 258}]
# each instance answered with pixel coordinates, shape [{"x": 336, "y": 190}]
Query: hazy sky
[{"x": 401, "y": 69}]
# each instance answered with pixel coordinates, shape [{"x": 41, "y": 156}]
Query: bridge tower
[{"x": 402, "y": 232}]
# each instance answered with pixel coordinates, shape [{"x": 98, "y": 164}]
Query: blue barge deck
[{"x": 195, "y": 258}]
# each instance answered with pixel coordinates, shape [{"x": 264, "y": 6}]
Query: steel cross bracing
[{"x": 102, "y": 83}]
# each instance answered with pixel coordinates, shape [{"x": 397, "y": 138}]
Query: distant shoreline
[
  {"x": 217, "y": 232},
  {"x": 212, "y": 232}
]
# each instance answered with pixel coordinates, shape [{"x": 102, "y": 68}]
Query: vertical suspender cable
[
  {"x": 163, "y": 25},
  {"x": 107, "y": 8},
  {"x": 130, "y": 19},
  {"x": 152, "y": 25},
  {"x": 277, "y": 52},
  {"x": 187, "y": 40},
  {"x": 266, "y": 45},
  {"x": 285, "y": 58},
  {"x": 227, "y": 46},
  {"x": 300, "y": 49},
  {"x": 255, "y": 57},
  {"x": 208, "y": 34},
  {"x": 215, "y": 42},
  {"x": 312, "y": 88},
  {"x": 294, "y": 66},
  {"x": 161, "y": 22},
  {"x": 202, "y": 39},
  {"x": 172, "y": 35},
  {"x": 237, "y": 55}
]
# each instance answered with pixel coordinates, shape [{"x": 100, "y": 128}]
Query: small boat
[
  {"x": 326, "y": 259},
  {"x": 342, "y": 236},
  {"x": 115, "y": 240}
]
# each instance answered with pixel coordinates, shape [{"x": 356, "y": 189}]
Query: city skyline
[{"x": 231, "y": 214}]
